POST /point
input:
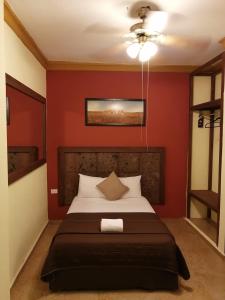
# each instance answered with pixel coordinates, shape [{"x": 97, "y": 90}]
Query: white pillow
[
  {"x": 87, "y": 187},
  {"x": 134, "y": 185}
]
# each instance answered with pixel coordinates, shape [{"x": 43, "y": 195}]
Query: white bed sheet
[{"x": 94, "y": 205}]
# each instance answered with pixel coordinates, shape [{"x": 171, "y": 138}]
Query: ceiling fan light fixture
[
  {"x": 133, "y": 50},
  {"x": 147, "y": 51}
]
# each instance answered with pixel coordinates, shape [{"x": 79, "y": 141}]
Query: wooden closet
[{"x": 205, "y": 150}]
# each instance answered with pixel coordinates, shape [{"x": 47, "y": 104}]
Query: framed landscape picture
[{"x": 115, "y": 112}]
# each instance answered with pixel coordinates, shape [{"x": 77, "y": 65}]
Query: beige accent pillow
[{"x": 112, "y": 187}]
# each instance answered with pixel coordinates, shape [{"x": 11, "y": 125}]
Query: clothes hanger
[{"x": 213, "y": 123}]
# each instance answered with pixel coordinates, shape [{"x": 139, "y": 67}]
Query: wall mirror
[{"x": 26, "y": 128}]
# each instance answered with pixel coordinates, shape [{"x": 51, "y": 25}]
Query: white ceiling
[{"x": 93, "y": 30}]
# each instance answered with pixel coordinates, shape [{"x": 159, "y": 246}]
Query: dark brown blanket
[{"x": 145, "y": 242}]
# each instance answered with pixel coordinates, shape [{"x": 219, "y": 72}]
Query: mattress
[{"x": 95, "y": 205}]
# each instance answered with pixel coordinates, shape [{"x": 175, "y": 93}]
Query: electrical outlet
[{"x": 54, "y": 191}]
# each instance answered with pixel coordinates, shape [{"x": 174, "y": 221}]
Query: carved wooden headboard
[{"x": 102, "y": 161}]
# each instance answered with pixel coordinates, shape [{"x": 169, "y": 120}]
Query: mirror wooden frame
[{"x": 12, "y": 82}]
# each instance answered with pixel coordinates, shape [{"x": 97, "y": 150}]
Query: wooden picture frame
[
  {"x": 7, "y": 111},
  {"x": 115, "y": 112}
]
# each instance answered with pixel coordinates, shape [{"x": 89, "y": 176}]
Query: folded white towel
[{"x": 111, "y": 225}]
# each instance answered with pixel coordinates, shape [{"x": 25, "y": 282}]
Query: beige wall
[
  {"x": 22, "y": 65},
  {"x": 200, "y": 154},
  {"x": 197, "y": 209},
  {"x": 218, "y": 86},
  {"x": 28, "y": 216},
  {"x": 4, "y": 204},
  {"x": 201, "y": 89},
  {"x": 28, "y": 195}
]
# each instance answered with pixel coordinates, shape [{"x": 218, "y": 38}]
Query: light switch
[{"x": 54, "y": 191}]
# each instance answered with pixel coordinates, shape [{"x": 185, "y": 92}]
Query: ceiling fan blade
[
  {"x": 184, "y": 41},
  {"x": 101, "y": 28},
  {"x": 156, "y": 21},
  {"x": 110, "y": 52},
  {"x": 130, "y": 35}
]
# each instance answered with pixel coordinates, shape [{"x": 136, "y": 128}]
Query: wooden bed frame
[{"x": 102, "y": 161}]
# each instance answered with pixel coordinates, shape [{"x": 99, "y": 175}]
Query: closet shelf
[
  {"x": 207, "y": 105},
  {"x": 209, "y": 198}
]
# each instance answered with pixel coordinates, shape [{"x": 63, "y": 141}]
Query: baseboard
[
  {"x": 29, "y": 253},
  {"x": 213, "y": 244}
]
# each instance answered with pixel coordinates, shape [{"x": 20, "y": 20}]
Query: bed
[{"x": 145, "y": 255}]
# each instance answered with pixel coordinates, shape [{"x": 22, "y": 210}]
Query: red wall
[{"x": 167, "y": 124}]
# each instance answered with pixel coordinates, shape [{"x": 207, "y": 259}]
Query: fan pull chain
[
  {"x": 147, "y": 109},
  {"x": 142, "y": 96}
]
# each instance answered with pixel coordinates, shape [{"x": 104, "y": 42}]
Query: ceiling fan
[
  {"x": 150, "y": 32},
  {"x": 144, "y": 35}
]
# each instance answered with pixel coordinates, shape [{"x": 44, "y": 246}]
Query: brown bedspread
[{"x": 145, "y": 242}]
